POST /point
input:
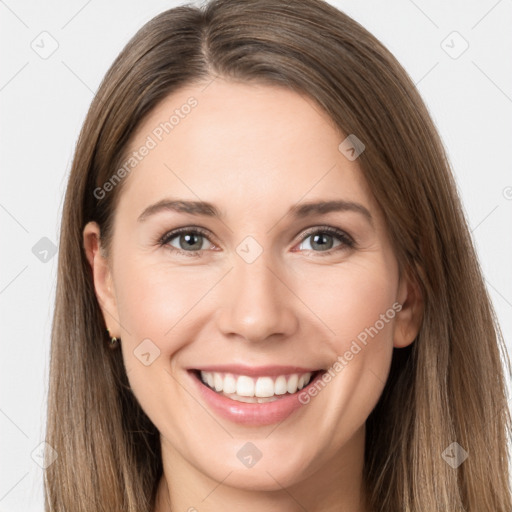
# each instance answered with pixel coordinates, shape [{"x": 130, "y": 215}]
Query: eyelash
[{"x": 346, "y": 240}]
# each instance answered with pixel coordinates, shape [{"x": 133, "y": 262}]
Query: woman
[{"x": 267, "y": 296}]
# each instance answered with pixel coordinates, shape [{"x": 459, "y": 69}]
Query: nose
[{"x": 256, "y": 302}]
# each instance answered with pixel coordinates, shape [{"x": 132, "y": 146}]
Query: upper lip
[{"x": 255, "y": 371}]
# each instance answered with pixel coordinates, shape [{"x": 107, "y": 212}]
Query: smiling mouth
[{"x": 262, "y": 389}]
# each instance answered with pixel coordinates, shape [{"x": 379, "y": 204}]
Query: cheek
[
  {"x": 359, "y": 309},
  {"x": 154, "y": 306},
  {"x": 153, "y": 301},
  {"x": 355, "y": 303},
  {"x": 352, "y": 299}
]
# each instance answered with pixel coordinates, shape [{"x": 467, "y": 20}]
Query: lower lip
[{"x": 251, "y": 414}]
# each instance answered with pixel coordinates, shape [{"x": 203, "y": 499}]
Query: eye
[
  {"x": 187, "y": 241},
  {"x": 323, "y": 238}
]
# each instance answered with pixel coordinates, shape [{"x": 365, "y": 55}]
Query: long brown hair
[{"x": 448, "y": 386}]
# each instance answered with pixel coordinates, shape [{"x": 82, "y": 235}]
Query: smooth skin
[{"x": 253, "y": 151}]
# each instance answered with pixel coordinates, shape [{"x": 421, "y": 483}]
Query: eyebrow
[{"x": 209, "y": 210}]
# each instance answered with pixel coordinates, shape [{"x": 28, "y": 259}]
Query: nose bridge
[{"x": 255, "y": 302}]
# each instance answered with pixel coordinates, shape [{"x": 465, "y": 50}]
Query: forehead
[{"x": 248, "y": 147}]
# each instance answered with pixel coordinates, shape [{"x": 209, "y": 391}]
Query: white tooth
[
  {"x": 245, "y": 386},
  {"x": 265, "y": 400},
  {"x": 229, "y": 384},
  {"x": 245, "y": 399},
  {"x": 218, "y": 381},
  {"x": 292, "y": 383},
  {"x": 264, "y": 387},
  {"x": 280, "y": 385}
]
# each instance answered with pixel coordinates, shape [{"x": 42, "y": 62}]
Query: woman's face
[{"x": 263, "y": 289}]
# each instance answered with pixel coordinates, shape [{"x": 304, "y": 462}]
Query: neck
[{"x": 337, "y": 485}]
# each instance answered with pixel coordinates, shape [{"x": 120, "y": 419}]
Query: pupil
[
  {"x": 189, "y": 244},
  {"x": 323, "y": 246}
]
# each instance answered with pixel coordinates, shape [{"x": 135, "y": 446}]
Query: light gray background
[{"x": 43, "y": 103}]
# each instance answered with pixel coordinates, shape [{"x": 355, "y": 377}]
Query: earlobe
[
  {"x": 408, "y": 319},
  {"x": 102, "y": 276}
]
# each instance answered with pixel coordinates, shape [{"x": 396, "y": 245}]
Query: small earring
[{"x": 114, "y": 342}]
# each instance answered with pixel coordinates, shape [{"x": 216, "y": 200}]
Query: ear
[
  {"x": 102, "y": 277},
  {"x": 408, "y": 319}
]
